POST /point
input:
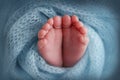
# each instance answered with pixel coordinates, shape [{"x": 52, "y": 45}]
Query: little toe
[
  {"x": 42, "y": 43},
  {"x": 74, "y": 19},
  {"x": 66, "y": 20},
  {"x": 57, "y": 22}
]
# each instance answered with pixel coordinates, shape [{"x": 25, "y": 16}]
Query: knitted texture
[{"x": 22, "y": 60}]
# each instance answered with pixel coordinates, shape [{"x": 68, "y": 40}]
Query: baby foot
[
  {"x": 50, "y": 41},
  {"x": 75, "y": 40}
]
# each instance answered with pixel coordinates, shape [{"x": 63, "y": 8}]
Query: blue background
[{"x": 8, "y": 7}]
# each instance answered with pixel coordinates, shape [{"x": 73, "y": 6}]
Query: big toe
[
  {"x": 66, "y": 20},
  {"x": 57, "y": 22}
]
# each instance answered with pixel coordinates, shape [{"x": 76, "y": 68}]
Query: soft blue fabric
[{"x": 22, "y": 60}]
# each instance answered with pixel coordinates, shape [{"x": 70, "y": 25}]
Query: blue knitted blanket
[{"x": 22, "y": 60}]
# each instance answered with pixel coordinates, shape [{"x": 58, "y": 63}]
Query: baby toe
[{"x": 42, "y": 43}]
